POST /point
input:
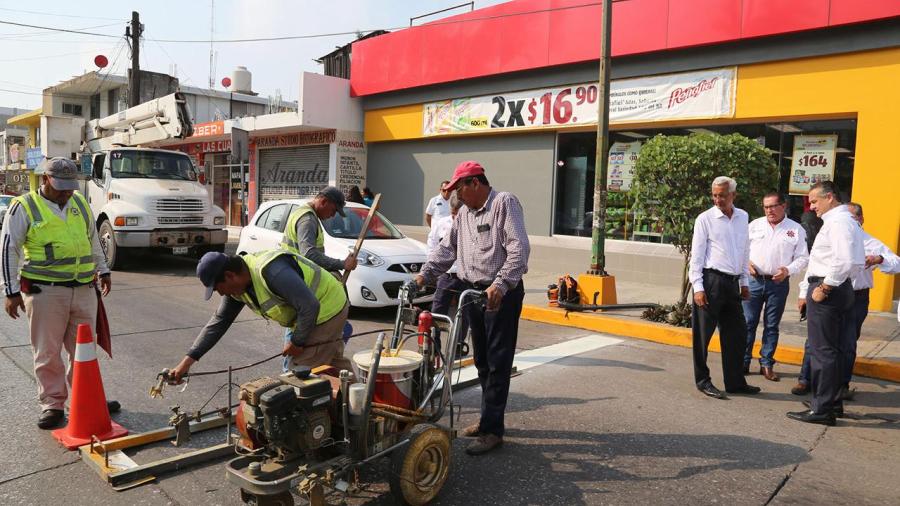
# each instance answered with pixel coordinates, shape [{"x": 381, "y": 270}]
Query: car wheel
[{"x": 115, "y": 256}]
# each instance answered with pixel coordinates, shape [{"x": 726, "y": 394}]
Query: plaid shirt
[{"x": 489, "y": 244}]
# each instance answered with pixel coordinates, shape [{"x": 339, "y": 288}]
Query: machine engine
[{"x": 288, "y": 415}]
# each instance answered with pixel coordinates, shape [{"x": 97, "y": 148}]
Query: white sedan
[{"x": 386, "y": 261}]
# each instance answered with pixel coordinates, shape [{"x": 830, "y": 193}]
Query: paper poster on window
[
  {"x": 620, "y": 171},
  {"x": 812, "y": 162}
]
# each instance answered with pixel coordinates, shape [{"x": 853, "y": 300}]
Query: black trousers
[
  {"x": 830, "y": 327},
  {"x": 446, "y": 297},
  {"x": 494, "y": 336},
  {"x": 724, "y": 310},
  {"x": 860, "y": 312}
]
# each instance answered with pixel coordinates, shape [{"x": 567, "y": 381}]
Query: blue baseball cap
[{"x": 208, "y": 269}]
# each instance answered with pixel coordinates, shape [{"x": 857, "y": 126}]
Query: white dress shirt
[
  {"x": 438, "y": 207},
  {"x": 720, "y": 243},
  {"x": 838, "y": 250},
  {"x": 439, "y": 229},
  {"x": 772, "y": 248},
  {"x": 12, "y": 238},
  {"x": 862, "y": 278}
]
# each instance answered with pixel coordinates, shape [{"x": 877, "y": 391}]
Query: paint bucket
[{"x": 393, "y": 386}]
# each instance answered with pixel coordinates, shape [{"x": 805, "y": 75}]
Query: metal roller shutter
[{"x": 290, "y": 173}]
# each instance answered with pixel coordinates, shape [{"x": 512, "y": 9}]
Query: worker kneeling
[{"x": 280, "y": 286}]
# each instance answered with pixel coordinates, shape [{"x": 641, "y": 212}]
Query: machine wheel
[
  {"x": 115, "y": 256},
  {"x": 420, "y": 469},
  {"x": 282, "y": 499}
]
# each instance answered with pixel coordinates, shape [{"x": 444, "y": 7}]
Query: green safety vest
[
  {"x": 289, "y": 240},
  {"x": 57, "y": 250},
  {"x": 327, "y": 289}
]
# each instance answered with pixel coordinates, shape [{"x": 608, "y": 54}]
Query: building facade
[{"x": 514, "y": 86}]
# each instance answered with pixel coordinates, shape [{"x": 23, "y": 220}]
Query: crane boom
[{"x": 160, "y": 119}]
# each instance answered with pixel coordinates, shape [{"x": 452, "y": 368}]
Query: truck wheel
[
  {"x": 115, "y": 256},
  {"x": 420, "y": 469}
]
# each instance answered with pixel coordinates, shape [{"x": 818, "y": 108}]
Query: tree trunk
[{"x": 685, "y": 283}]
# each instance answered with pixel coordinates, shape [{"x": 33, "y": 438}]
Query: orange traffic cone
[{"x": 88, "y": 414}]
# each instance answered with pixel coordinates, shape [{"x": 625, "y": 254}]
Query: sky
[{"x": 33, "y": 59}]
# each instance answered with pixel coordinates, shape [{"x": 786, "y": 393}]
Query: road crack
[
  {"x": 32, "y": 473},
  {"x": 790, "y": 473}
]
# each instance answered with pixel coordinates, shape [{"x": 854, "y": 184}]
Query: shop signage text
[
  {"x": 812, "y": 162},
  {"x": 692, "y": 95},
  {"x": 209, "y": 129},
  {"x": 351, "y": 160},
  {"x": 297, "y": 139},
  {"x": 33, "y": 157},
  {"x": 206, "y": 147}
]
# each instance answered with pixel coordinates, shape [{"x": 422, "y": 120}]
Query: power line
[
  {"x": 13, "y": 36},
  {"x": 52, "y": 29},
  {"x": 354, "y": 32},
  {"x": 61, "y": 55},
  {"x": 56, "y": 15}
]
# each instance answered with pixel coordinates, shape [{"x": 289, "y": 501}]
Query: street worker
[
  {"x": 827, "y": 294},
  {"x": 280, "y": 286},
  {"x": 489, "y": 243},
  {"x": 777, "y": 252},
  {"x": 56, "y": 284},
  {"x": 718, "y": 272},
  {"x": 304, "y": 235},
  {"x": 878, "y": 256},
  {"x": 439, "y": 205},
  {"x": 449, "y": 286}
]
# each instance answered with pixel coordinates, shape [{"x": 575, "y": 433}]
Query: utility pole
[
  {"x": 598, "y": 232},
  {"x": 133, "y": 33},
  {"x": 596, "y": 285}
]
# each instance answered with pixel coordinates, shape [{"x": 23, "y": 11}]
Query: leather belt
[
  {"x": 815, "y": 279},
  {"x": 67, "y": 284},
  {"x": 733, "y": 277}
]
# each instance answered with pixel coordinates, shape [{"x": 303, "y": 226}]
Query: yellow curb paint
[{"x": 678, "y": 336}]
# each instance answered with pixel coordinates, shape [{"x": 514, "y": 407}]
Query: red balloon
[
  {"x": 101, "y": 61},
  {"x": 226, "y": 82}
]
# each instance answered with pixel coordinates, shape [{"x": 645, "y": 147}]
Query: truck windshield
[{"x": 151, "y": 165}]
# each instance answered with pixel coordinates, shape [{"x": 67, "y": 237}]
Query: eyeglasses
[{"x": 772, "y": 206}]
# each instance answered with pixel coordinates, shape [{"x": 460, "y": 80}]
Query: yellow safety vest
[
  {"x": 327, "y": 289},
  {"x": 57, "y": 250},
  {"x": 289, "y": 241}
]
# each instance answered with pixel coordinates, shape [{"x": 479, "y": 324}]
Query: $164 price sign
[{"x": 557, "y": 107}]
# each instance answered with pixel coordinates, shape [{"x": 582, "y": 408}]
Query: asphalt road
[{"x": 621, "y": 424}]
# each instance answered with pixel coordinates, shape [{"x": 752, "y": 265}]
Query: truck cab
[{"x": 146, "y": 198}]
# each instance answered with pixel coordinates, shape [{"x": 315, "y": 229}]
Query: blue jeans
[{"x": 772, "y": 295}]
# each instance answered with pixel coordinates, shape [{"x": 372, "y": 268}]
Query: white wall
[
  {"x": 61, "y": 135},
  {"x": 325, "y": 102}
]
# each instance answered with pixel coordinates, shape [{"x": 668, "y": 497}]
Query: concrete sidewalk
[{"x": 878, "y": 350}]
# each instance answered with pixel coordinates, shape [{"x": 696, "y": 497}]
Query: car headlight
[
  {"x": 369, "y": 259},
  {"x": 127, "y": 221},
  {"x": 219, "y": 220}
]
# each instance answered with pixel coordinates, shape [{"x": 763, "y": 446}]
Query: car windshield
[
  {"x": 348, "y": 227},
  {"x": 151, "y": 165},
  {"x": 5, "y": 200}
]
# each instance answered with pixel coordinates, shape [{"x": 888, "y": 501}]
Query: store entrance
[
  {"x": 226, "y": 189},
  {"x": 575, "y": 158}
]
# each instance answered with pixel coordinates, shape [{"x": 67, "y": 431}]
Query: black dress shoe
[
  {"x": 812, "y": 417},
  {"x": 50, "y": 418},
  {"x": 838, "y": 411},
  {"x": 746, "y": 389},
  {"x": 113, "y": 406},
  {"x": 711, "y": 391}
]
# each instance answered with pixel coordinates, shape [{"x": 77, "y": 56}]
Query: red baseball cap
[{"x": 464, "y": 170}]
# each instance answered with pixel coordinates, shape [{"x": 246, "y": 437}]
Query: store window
[{"x": 784, "y": 140}]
